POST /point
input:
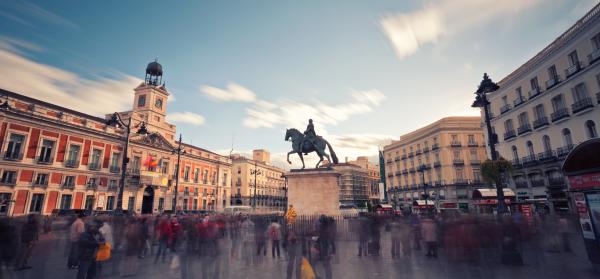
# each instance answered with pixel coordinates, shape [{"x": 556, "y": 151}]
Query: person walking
[
  {"x": 429, "y": 232},
  {"x": 275, "y": 237},
  {"x": 395, "y": 235},
  {"x": 29, "y": 235},
  {"x": 75, "y": 231},
  {"x": 363, "y": 235},
  {"x": 247, "y": 234},
  {"x": 164, "y": 233},
  {"x": 88, "y": 245}
]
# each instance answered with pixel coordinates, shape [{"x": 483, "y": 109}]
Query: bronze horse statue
[{"x": 298, "y": 139}]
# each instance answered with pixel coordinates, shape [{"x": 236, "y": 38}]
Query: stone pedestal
[{"x": 314, "y": 191}]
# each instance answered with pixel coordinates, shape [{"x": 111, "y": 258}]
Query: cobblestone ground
[{"x": 49, "y": 261}]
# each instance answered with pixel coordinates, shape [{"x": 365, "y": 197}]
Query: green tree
[{"x": 491, "y": 171}]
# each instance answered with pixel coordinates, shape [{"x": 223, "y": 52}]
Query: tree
[{"x": 491, "y": 171}]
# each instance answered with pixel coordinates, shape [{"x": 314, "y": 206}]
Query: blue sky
[{"x": 243, "y": 71}]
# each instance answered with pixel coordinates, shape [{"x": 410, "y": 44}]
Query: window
[
  {"x": 203, "y": 204},
  {"x": 471, "y": 138},
  {"x": 73, "y": 156},
  {"x": 164, "y": 168},
  {"x": 519, "y": 93},
  {"x": 186, "y": 173},
  {"x": 505, "y": 100},
  {"x": 535, "y": 86},
  {"x": 4, "y": 203},
  {"x": 9, "y": 177},
  {"x": 523, "y": 119},
  {"x": 37, "y": 201},
  {"x": 456, "y": 154},
  {"x": 158, "y": 103},
  {"x": 195, "y": 204},
  {"x": 142, "y": 101},
  {"x": 161, "y": 204},
  {"x": 579, "y": 92},
  {"x": 573, "y": 58},
  {"x": 590, "y": 128},
  {"x": 46, "y": 151},
  {"x": 546, "y": 143},
  {"x": 515, "y": 153},
  {"x": 13, "y": 149},
  {"x": 476, "y": 175},
  {"x": 41, "y": 179},
  {"x": 196, "y": 174},
  {"x": 69, "y": 181},
  {"x": 110, "y": 202},
  {"x": 539, "y": 111},
  {"x": 567, "y": 140},
  {"x": 130, "y": 204},
  {"x": 552, "y": 74},
  {"x": 89, "y": 202},
  {"x": 95, "y": 163},
  {"x": 136, "y": 163},
  {"x": 114, "y": 163},
  {"x": 473, "y": 153},
  {"x": 112, "y": 184},
  {"x": 558, "y": 103},
  {"x": 205, "y": 176},
  {"x": 508, "y": 125},
  {"x": 530, "y": 150},
  {"x": 224, "y": 179},
  {"x": 65, "y": 201},
  {"x": 459, "y": 173}
]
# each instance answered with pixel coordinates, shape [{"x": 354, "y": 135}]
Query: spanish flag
[{"x": 151, "y": 162}]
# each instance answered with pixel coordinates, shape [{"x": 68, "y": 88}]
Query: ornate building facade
[
  {"x": 256, "y": 181},
  {"x": 546, "y": 107},
  {"x": 58, "y": 158},
  {"x": 445, "y": 156}
]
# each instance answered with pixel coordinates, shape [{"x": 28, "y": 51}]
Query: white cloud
[
  {"x": 441, "y": 18},
  {"x": 186, "y": 117},
  {"x": 290, "y": 113},
  {"x": 51, "y": 84},
  {"x": 233, "y": 93}
]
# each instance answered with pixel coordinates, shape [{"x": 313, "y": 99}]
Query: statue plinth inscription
[{"x": 314, "y": 191}]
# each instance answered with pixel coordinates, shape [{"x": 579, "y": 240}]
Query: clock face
[{"x": 158, "y": 103}]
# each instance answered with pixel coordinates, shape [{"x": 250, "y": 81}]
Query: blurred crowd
[{"x": 202, "y": 246}]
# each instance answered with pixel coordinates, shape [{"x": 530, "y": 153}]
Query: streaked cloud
[
  {"x": 37, "y": 80},
  {"x": 232, "y": 93},
  {"x": 439, "y": 19},
  {"x": 186, "y": 117}
]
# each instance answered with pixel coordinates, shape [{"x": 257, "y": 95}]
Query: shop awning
[
  {"x": 485, "y": 193},
  {"x": 421, "y": 203}
]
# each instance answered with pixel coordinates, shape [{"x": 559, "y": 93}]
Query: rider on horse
[{"x": 309, "y": 135}]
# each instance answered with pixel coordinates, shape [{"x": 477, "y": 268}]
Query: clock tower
[{"x": 150, "y": 103}]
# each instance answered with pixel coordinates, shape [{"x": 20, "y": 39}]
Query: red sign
[
  {"x": 449, "y": 205},
  {"x": 584, "y": 181},
  {"x": 490, "y": 201}
]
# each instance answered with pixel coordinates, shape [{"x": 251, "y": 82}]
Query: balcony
[
  {"x": 91, "y": 186},
  {"x": 563, "y": 151},
  {"x": 94, "y": 166},
  {"x": 42, "y": 183},
  {"x": 411, "y": 170},
  {"x": 403, "y": 157},
  {"x": 518, "y": 101},
  {"x": 13, "y": 156},
  {"x": 437, "y": 164},
  {"x": 69, "y": 185},
  {"x": 71, "y": 163},
  {"x": 435, "y": 146},
  {"x": 45, "y": 161},
  {"x": 582, "y": 104},
  {"x": 475, "y": 162},
  {"x": 538, "y": 183},
  {"x": 418, "y": 152},
  {"x": 534, "y": 92},
  {"x": 425, "y": 149},
  {"x": 455, "y": 143},
  {"x": 472, "y": 144},
  {"x": 524, "y": 128},
  {"x": 389, "y": 161},
  {"x": 516, "y": 163},
  {"x": 410, "y": 154},
  {"x": 573, "y": 69},
  {"x": 397, "y": 159},
  {"x": 458, "y": 162},
  {"x": 388, "y": 175},
  {"x": 552, "y": 82},
  {"x": 509, "y": 134},
  {"x": 461, "y": 181},
  {"x": 504, "y": 108},
  {"x": 398, "y": 173},
  {"x": 186, "y": 194},
  {"x": 547, "y": 156},
  {"x": 556, "y": 181},
  {"x": 405, "y": 171},
  {"x": 540, "y": 122},
  {"x": 133, "y": 171},
  {"x": 559, "y": 114},
  {"x": 529, "y": 160},
  {"x": 9, "y": 181},
  {"x": 521, "y": 184},
  {"x": 594, "y": 56},
  {"x": 114, "y": 169}
]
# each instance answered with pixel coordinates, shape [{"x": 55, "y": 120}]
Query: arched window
[
  {"x": 546, "y": 143},
  {"x": 530, "y": 150},
  {"x": 567, "y": 140},
  {"x": 515, "y": 153},
  {"x": 590, "y": 128}
]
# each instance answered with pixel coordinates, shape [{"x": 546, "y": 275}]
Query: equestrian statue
[{"x": 307, "y": 142}]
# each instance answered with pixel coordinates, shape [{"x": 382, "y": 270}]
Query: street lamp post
[
  {"x": 255, "y": 172},
  {"x": 117, "y": 121},
  {"x": 422, "y": 169},
  {"x": 488, "y": 86},
  {"x": 179, "y": 151}
]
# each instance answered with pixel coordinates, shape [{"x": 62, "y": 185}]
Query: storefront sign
[
  {"x": 490, "y": 201},
  {"x": 584, "y": 181},
  {"x": 593, "y": 200},
  {"x": 584, "y": 216}
]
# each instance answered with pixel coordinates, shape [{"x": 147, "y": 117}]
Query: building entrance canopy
[{"x": 582, "y": 166}]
